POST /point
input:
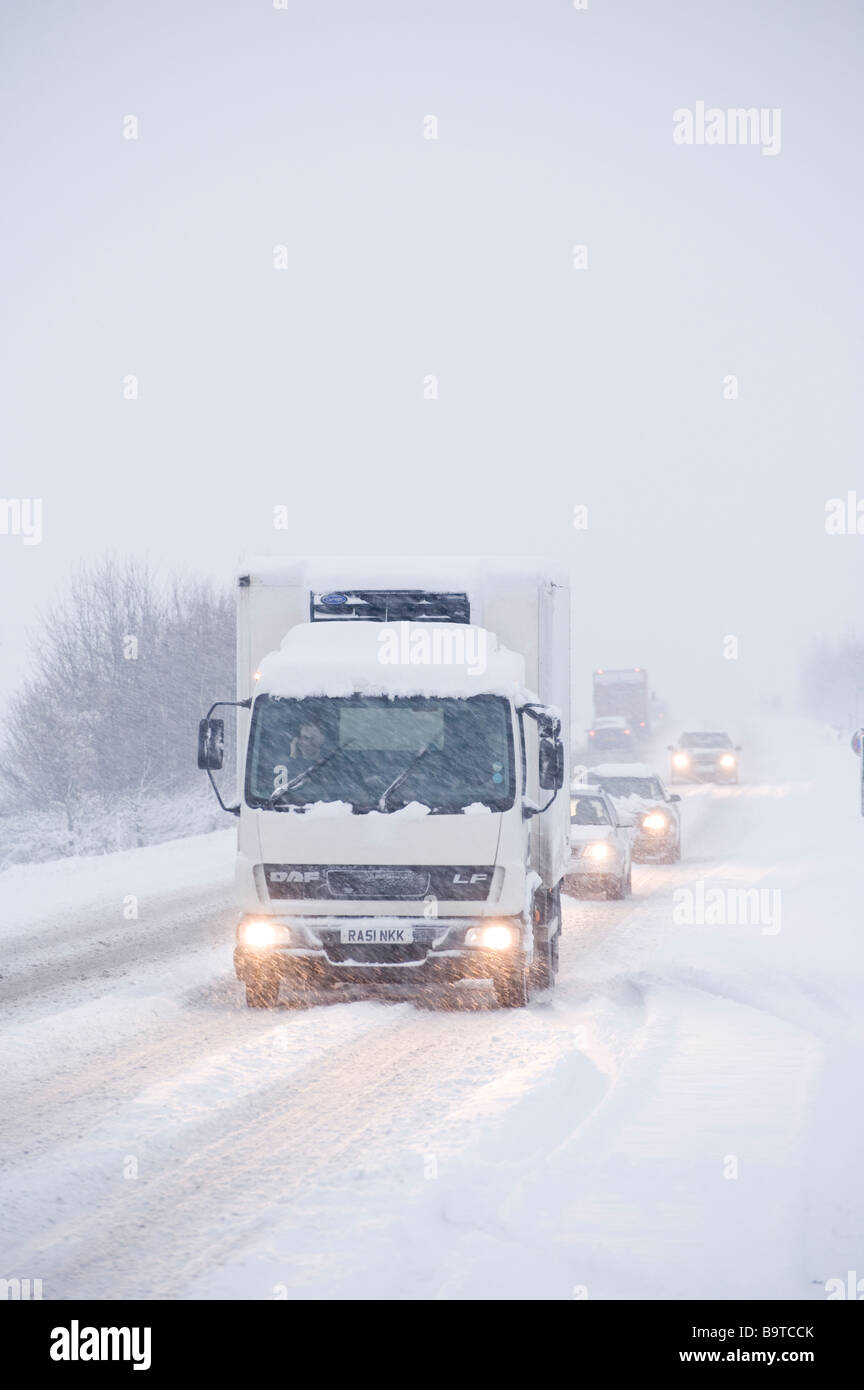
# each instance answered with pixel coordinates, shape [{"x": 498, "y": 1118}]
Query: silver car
[
  {"x": 642, "y": 800},
  {"x": 601, "y": 849},
  {"x": 704, "y": 757}
]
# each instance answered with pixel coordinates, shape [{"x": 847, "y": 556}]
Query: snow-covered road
[{"x": 680, "y": 1119}]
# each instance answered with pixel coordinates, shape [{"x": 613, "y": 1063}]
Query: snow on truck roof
[
  {"x": 493, "y": 572},
  {"x": 340, "y": 659}
]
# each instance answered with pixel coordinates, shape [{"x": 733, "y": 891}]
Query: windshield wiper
[
  {"x": 301, "y": 777},
  {"x": 382, "y": 800}
]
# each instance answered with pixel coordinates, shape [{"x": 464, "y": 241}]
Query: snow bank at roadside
[{"x": 33, "y": 892}]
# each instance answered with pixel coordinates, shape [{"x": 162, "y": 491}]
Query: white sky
[{"x": 407, "y": 256}]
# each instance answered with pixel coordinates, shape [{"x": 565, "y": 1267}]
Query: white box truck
[{"x": 400, "y": 760}]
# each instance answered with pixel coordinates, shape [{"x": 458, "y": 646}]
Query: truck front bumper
[{"x": 311, "y": 950}]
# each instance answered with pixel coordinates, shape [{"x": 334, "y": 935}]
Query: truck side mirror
[
  {"x": 674, "y": 797},
  {"x": 211, "y": 744},
  {"x": 551, "y": 764}
]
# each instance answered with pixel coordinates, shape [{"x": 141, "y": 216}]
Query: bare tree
[{"x": 123, "y": 665}]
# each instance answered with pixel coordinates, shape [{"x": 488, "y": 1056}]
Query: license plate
[{"x": 377, "y": 936}]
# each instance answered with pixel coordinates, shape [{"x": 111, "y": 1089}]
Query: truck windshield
[{"x": 378, "y": 753}]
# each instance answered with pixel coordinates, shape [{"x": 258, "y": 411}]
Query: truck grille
[{"x": 380, "y": 882}]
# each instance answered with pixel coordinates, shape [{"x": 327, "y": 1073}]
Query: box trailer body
[
  {"x": 425, "y": 835},
  {"x": 624, "y": 693}
]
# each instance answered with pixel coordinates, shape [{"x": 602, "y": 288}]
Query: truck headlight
[
  {"x": 493, "y": 938},
  {"x": 598, "y": 850},
  {"x": 262, "y": 933},
  {"x": 655, "y": 821},
  {"x": 727, "y": 760},
  {"x": 680, "y": 760}
]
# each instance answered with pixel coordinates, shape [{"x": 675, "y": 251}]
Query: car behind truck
[{"x": 400, "y": 757}]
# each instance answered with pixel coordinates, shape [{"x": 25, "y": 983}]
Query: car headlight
[
  {"x": 655, "y": 821},
  {"x": 727, "y": 760},
  {"x": 496, "y": 937},
  {"x": 598, "y": 850},
  {"x": 263, "y": 933},
  {"x": 681, "y": 760}
]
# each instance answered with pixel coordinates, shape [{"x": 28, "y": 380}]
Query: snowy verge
[
  {"x": 36, "y": 835},
  {"x": 34, "y": 892}
]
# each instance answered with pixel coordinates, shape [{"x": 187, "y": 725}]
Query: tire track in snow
[{"x": 380, "y": 1103}]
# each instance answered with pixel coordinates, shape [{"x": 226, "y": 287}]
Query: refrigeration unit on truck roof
[{"x": 389, "y": 606}]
